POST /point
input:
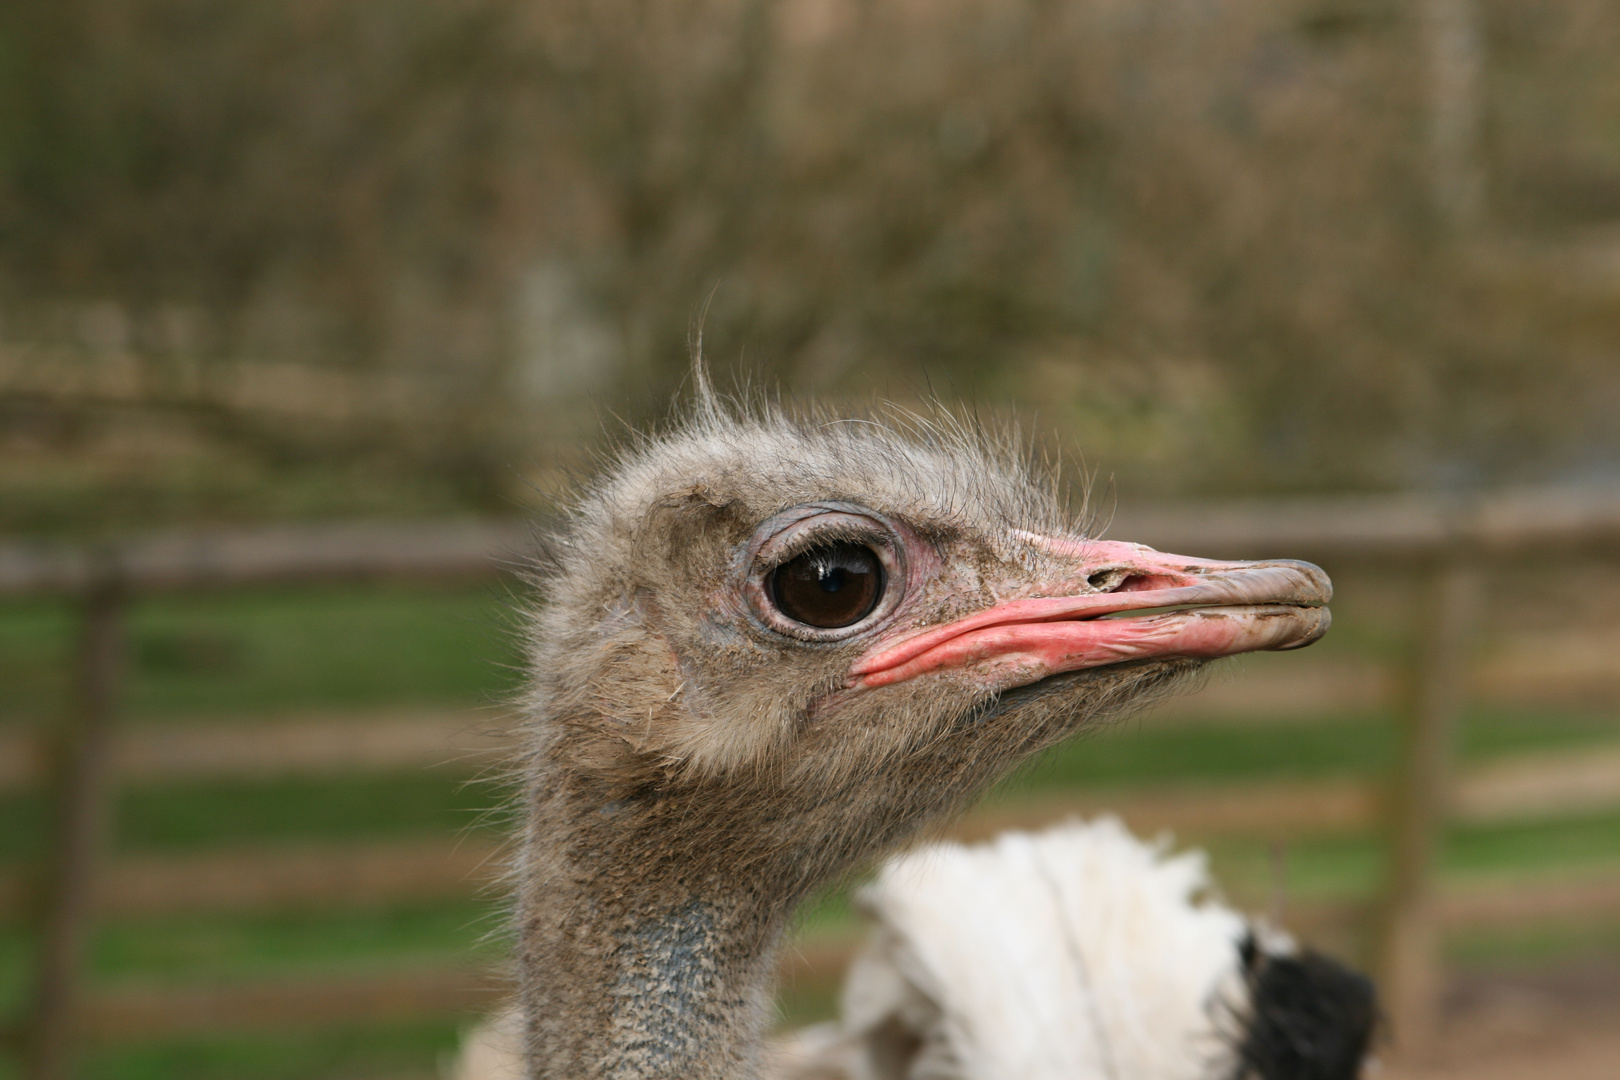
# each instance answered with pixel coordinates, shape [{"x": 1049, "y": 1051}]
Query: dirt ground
[{"x": 1558, "y": 1025}]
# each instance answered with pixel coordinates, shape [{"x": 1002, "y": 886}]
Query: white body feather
[{"x": 1072, "y": 954}]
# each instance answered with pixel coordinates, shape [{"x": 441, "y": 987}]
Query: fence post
[
  {"x": 1456, "y": 46},
  {"x": 83, "y": 795},
  {"x": 1409, "y": 965}
]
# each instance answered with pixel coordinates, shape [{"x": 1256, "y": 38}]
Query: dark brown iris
[{"x": 828, "y": 587}]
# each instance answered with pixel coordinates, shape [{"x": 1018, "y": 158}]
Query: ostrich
[
  {"x": 774, "y": 647},
  {"x": 1079, "y": 953}
]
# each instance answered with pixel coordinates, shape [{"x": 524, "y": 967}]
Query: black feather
[{"x": 1310, "y": 1018}]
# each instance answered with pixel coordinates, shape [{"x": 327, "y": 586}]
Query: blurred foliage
[{"x": 278, "y": 259}]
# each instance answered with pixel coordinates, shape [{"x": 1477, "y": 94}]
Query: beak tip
[{"x": 1313, "y": 634}]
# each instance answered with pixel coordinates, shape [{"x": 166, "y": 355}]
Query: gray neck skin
[
  {"x": 639, "y": 968},
  {"x": 649, "y": 927}
]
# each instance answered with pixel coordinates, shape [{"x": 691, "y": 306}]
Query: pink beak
[{"x": 1216, "y": 609}]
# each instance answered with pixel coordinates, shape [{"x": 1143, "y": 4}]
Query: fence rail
[
  {"x": 1367, "y": 527},
  {"x": 452, "y": 989},
  {"x": 237, "y": 558},
  {"x": 362, "y": 874},
  {"x": 1451, "y": 542},
  {"x": 144, "y": 1011},
  {"x": 305, "y": 746}
]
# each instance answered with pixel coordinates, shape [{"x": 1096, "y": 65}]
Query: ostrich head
[{"x": 774, "y": 647}]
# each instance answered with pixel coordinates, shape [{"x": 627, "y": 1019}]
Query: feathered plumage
[{"x": 1077, "y": 953}]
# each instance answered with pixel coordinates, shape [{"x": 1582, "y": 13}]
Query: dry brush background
[{"x": 262, "y": 259}]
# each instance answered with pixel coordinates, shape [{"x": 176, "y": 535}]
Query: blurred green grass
[
  {"x": 248, "y": 656},
  {"x": 276, "y": 650}
]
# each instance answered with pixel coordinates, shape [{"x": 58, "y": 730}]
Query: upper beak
[{"x": 1214, "y": 609}]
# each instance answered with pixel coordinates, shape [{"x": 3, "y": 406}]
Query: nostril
[{"x": 1118, "y": 581}]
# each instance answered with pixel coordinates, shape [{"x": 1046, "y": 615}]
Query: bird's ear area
[
  {"x": 665, "y": 746},
  {"x": 693, "y": 530},
  {"x": 634, "y": 715},
  {"x": 617, "y": 720},
  {"x": 610, "y": 760}
]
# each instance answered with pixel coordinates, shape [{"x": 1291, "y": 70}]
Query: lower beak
[{"x": 1150, "y": 605}]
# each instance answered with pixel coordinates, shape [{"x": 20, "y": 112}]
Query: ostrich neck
[
  {"x": 633, "y": 969},
  {"x": 649, "y": 924}
]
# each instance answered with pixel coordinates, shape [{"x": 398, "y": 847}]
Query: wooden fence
[{"x": 1452, "y": 546}]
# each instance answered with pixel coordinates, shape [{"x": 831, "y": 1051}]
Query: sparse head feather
[{"x": 941, "y": 467}]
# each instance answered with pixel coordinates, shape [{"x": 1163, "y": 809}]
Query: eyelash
[{"x": 815, "y": 538}]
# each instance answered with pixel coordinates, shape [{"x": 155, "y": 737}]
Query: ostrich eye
[{"x": 828, "y": 587}]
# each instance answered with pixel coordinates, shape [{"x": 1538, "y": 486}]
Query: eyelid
[
  {"x": 831, "y": 527},
  {"x": 812, "y": 538}
]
